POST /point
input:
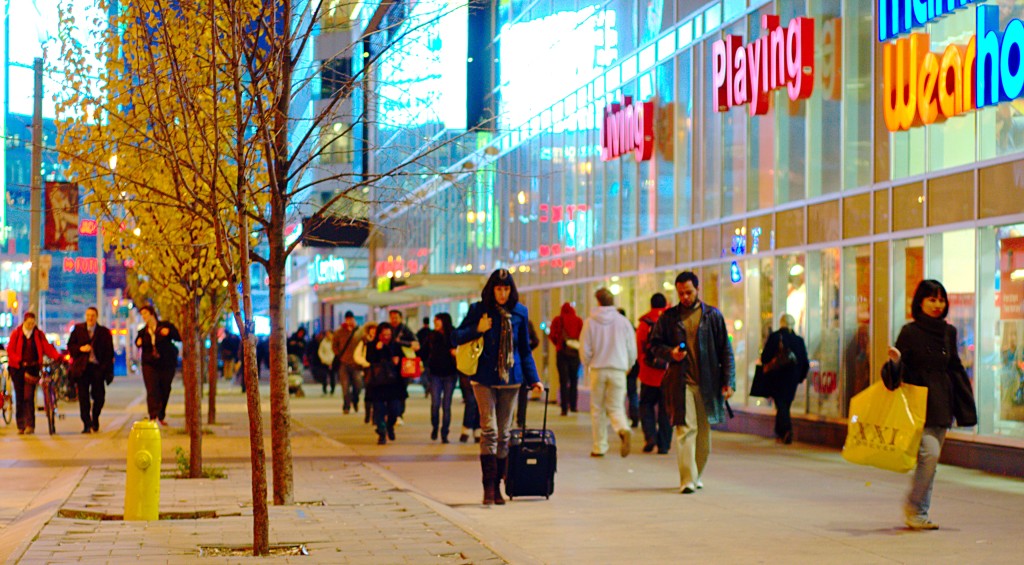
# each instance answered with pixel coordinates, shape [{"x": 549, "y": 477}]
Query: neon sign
[
  {"x": 557, "y": 214},
  {"x": 327, "y": 270},
  {"x": 628, "y": 127},
  {"x": 781, "y": 57}
]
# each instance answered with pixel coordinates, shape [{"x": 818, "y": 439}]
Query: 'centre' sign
[{"x": 327, "y": 270}]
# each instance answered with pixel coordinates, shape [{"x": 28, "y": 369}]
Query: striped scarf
[{"x": 506, "y": 353}]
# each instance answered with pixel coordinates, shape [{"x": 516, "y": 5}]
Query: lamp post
[{"x": 36, "y": 202}]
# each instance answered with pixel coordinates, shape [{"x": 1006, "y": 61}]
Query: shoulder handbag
[
  {"x": 783, "y": 358},
  {"x": 467, "y": 356}
]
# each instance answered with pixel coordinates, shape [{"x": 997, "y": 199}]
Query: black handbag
[{"x": 761, "y": 385}]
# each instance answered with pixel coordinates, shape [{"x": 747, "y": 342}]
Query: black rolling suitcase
[{"x": 532, "y": 460}]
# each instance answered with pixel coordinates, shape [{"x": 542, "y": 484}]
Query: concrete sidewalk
[{"x": 418, "y": 501}]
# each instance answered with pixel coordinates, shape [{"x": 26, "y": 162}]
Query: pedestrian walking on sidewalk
[
  {"x": 505, "y": 363},
  {"x": 701, "y": 376},
  {"x": 443, "y": 375},
  {"x": 350, "y": 373},
  {"x": 632, "y": 392},
  {"x": 926, "y": 355},
  {"x": 423, "y": 338},
  {"x": 608, "y": 350},
  {"x": 385, "y": 383},
  {"x": 324, "y": 357},
  {"x": 653, "y": 415},
  {"x": 159, "y": 361},
  {"x": 470, "y": 411},
  {"x": 565, "y": 335},
  {"x": 402, "y": 336},
  {"x": 230, "y": 355},
  {"x": 92, "y": 367},
  {"x": 26, "y": 350},
  {"x": 364, "y": 339},
  {"x": 787, "y": 375}
]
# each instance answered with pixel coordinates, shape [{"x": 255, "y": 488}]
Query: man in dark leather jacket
[{"x": 701, "y": 375}]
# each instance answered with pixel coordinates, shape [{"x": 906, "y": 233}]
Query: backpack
[{"x": 651, "y": 358}]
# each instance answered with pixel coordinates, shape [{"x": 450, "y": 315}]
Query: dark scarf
[
  {"x": 506, "y": 355},
  {"x": 935, "y": 326}
]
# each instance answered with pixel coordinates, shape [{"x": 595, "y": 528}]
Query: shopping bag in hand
[{"x": 885, "y": 426}]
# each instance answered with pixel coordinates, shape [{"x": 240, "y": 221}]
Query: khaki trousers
[{"x": 693, "y": 440}]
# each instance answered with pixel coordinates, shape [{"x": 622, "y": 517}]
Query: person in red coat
[
  {"x": 25, "y": 353},
  {"x": 653, "y": 416},
  {"x": 565, "y": 334}
]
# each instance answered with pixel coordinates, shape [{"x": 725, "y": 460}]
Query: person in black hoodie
[
  {"x": 788, "y": 377},
  {"x": 926, "y": 355},
  {"x": 384, "y": 382},
  {"x": 443, "y": 375},
  {"x": 159, "y": 361}
]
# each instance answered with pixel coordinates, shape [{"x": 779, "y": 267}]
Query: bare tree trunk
[
  {"x": 211, "y": 363},
  {"x": 190, "y": 376},
  {"x": 280, "y": 413}
]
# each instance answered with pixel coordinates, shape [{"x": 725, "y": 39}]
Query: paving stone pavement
[{"x": 361, "y": 518}]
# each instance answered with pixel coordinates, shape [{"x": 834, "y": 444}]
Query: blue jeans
[
  {"x": 497, "y": 408},
  {"x": 919, "y": 499},
  {"x": 441, "y": 389}
]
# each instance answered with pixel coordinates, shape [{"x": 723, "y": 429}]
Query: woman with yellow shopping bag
[{"x": 926, "y": 355}]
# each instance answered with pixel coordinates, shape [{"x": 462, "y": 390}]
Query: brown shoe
[{"x": 627, "y": 440}]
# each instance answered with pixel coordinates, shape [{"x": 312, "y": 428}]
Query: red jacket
[
  {"x": 14, "y": 347},
  {"x": 567, "y": 325},
  {"x": 648, "y": 375}
]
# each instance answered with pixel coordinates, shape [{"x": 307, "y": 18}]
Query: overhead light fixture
[{"x": 796, "y": 270}]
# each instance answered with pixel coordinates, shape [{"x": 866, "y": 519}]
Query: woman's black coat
[
  {"x": 384, "y": 377},
  {"x": 929, "y": 358},
  {"x": 785, "y": 380}
]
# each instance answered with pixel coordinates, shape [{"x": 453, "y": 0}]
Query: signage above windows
[
  {"x": 783, "y": 57},
  {"x": 628, "y": 127},
  {"x": 327, "y": 270},
  {"x": 922, "y": 88}
]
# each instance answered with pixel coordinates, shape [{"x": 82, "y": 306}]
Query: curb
[{"x": 72, "y": 479}]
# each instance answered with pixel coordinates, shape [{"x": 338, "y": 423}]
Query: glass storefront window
[
  {"x": 907, "y": 272},
  {"x": 734, "y": 156},
  {"x": 856, "y": 319},
  {"x": 710, "y": 158},
  {"x": 858, "y": 41},
  {"x": 790, "y": 131},
  {"x": 760, "y": 139},
  {"x": 1001, "y": 127},
  {"x": 760, "y": 281},
  {"x": 664, "y": 150},
  {"x": 999, "y": 386},
  {"x": 683, "y": 140},
  {"x": 825, "y": 391},
  {"x": 824, "y": 108},
  {"x": 732, "y": 302},
  {"x": 791, "y": 298}
]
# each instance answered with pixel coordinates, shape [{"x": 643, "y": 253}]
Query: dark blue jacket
[{"x": 523, "y": 370}]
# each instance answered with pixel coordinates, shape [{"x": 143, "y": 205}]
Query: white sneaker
[
  {"x": 399, "y": 421},
  {"x": 688, "y": 488}
]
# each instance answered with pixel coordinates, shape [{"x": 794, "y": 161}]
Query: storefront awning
[{"x": 417, "y": 288}]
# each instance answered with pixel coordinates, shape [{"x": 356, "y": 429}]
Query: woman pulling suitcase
[{"x": 504, "y": 364}]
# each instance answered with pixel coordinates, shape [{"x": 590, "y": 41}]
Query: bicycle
[
  {"x": 53, "y": 377},
  {"x": 6, "y": 391}
]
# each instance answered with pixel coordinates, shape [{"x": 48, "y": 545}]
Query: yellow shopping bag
[{"x": 885, "y": 427}]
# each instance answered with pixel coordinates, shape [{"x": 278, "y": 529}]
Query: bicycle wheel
[
  {"x": 7, "y": 404},
  {"x": 50, "y": 400}
]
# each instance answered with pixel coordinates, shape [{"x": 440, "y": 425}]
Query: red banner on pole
[{"x": 61, "y": 225}]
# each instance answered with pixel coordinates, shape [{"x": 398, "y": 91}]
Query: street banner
[{"x": 61, "y": 224}]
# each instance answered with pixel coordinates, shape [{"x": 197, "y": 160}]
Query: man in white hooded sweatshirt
[{"x": 608, "y": 350}]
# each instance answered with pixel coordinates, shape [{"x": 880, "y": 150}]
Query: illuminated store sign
[
  {"x": 897, "y": 17},
  {"x": 781, "y": 57},
  {"x": 922, "y": 87},
  {"x": 327, "y": 270},
  {"x": 628, "y": 127}
]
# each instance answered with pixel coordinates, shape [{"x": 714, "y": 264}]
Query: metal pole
[{"x": 36, "y": 206}]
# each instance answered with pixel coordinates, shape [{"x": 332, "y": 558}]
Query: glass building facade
[{"x": 814, "y": 208}]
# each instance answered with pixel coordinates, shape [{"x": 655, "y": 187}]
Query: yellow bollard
[{"x": 142, "y": 487}]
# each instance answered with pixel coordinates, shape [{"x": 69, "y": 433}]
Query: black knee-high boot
[
  {"x": 489, "y": 468},
  {"x": 499, "y": 475}
]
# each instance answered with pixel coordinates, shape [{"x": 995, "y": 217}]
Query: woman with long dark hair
[
  {"x": 443, "y": 375},
  {"x": 926, "y": 355},
  {"x": 505, "y": 362}
]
